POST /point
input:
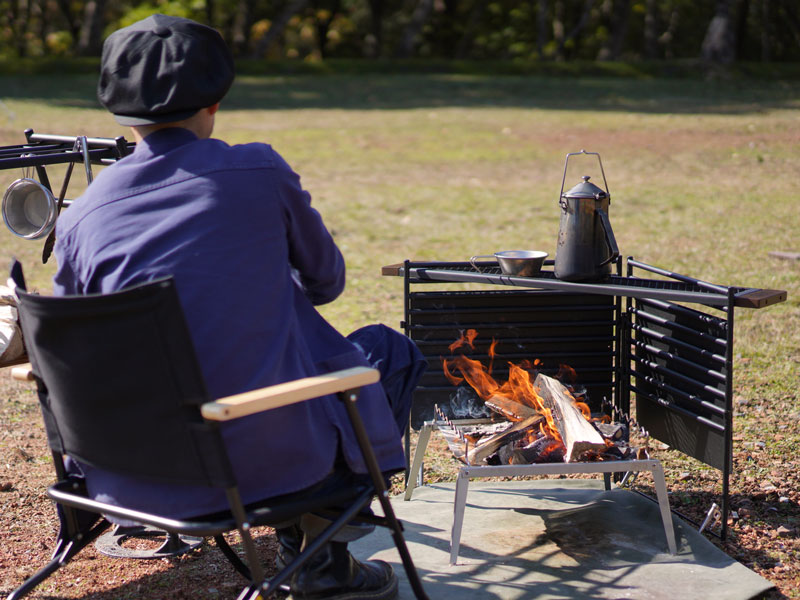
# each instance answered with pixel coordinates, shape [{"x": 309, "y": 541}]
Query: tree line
[{"x": 717, "y": 31}]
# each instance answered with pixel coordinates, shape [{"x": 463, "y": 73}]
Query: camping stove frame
[{"x": 663, "y": 336}]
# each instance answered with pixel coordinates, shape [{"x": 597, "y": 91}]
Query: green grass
[
  {"x": 446, "y": 165},
  {"x": 443, "y": 165}
]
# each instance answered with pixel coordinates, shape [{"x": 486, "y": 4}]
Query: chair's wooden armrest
[
  {"x": 22, "y": 372},
  {"x": 283, "y": 394}
]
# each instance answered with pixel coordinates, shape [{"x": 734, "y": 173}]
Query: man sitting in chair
[{"x": 250, "y": 258}]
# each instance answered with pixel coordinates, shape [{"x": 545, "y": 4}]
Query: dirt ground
[{"x": 763, "y": 533}]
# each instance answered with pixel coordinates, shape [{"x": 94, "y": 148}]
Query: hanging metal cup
[{"x": 29, "y": 209}]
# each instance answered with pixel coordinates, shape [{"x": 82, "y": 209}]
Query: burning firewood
[
  {"x": 489, "y": 445},
  {"x": 510, "y": 409},
  {"x": 577, "y": 433}
]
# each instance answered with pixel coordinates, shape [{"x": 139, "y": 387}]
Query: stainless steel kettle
[{"x": 586, "y": 244}]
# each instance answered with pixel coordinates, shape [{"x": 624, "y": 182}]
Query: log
[
  {"x": 488, "y": 445},
  {"x": 510, "y": 409},
  {"x": 578, "y": 434}
]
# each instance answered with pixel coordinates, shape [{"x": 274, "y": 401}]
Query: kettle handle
[
  {"x": 564, "y": 178},
  {"x": 610, "y": 239}
]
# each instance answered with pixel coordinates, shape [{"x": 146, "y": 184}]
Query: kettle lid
[{"x": 586, "y": 189}]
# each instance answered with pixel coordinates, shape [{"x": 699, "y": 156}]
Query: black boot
[
  {"x": 289, "y": 541},
  {"x": 333, "y": 574}
]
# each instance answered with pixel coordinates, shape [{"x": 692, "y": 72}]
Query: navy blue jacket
[{"x": 250, "y": 258}]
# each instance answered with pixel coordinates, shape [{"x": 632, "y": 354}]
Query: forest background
[{"x": 718, "y": 32}]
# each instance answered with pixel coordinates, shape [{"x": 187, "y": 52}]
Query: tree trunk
[
  {"x": 449, "y": 35},
  {"x": 541, "y": 27},
  {"x": 619, "y": 12},
  {"x": 582, "y": 21},
  {"x": 374, "y": 47},
  {"x": 323, "y": 24},
  {"x": 18, "y": 19},
  {"x": 278, "y": 26},
  {"x": 719, "y": 44},
  {"x": 475, "y": 16},
  {"x": 413, "y": 30},
  {"x": 242, "y": 25},
  {"x": 667, "y": 38},
  {"x": 72, "y": 24},
  {"x": 90, "y": 38},
  {"x": 741, "y": 27},
  {"x": 558, "y": 29},
  {"x": 651, "y": 29},
  {"x": 789, "y": 14},
  {"x": 766, "y": 30},
  {"x": 211, "y": 11}
]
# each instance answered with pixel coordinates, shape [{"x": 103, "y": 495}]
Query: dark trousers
[{"x": 400, "y": 364}]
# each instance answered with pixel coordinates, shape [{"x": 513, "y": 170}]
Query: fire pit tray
[{"x": 466, "y": 473}]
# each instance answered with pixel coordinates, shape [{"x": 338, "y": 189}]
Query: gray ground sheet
[{"x": 556, "y": 538}]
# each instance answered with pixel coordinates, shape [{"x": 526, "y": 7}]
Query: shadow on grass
[{"x": 375, "y": 91}]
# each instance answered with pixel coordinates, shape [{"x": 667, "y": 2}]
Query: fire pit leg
[
  {"x": 415, "y": 473},
  {"x": 663, "y": 503},
  {"x": 459, "y": 504}
]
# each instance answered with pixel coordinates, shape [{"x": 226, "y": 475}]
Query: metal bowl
[
  {"x": 519, "y": 263},
  {"x": 29, "y": 209}
]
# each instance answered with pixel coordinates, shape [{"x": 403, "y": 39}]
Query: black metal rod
[
  {"x": 350, "y": 398},
  {"x": 70, "y": 139},
  {"x": 678, "y": 409},
  {"x": 689, "y": 313},
  {"x": 722, "y": 377},
  {"x": 672, "y": 325},
  {"x": 554, "y": 284},
  {"x": 672, "y": 342},
  {"x": 515, "y": 325},
  {"x": 728, "y": 459},
  {"x": 407, "y": 329},
  {"x": 528, "y": 341},
  {"x": 498, "y": 307},
  {"x": 58, "y": 158},
  {"x": 685, "y": 278},
  {"x": 671, "y": 376}
]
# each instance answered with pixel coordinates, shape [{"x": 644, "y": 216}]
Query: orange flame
[
  {"x": 492, "y": 354},
  {"x": 519, "y": 386},
  {"x": 454, "y": 379},
  {"x": 465, "y": 339}
]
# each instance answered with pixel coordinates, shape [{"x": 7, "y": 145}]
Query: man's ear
[{"x": 213, "y": 108}]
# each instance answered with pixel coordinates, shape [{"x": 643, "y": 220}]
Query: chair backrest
[{"x": 120, "y": 385}]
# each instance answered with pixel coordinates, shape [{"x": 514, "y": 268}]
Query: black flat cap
[{"x": 163, "y": 69}]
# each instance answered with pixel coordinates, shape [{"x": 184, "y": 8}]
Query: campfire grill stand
[
  {"x": 42, "y": 150},
  {"x": 632, "y": 333}
]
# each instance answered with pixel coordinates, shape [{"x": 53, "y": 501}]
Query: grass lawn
[{"x": 703, "y": 178}]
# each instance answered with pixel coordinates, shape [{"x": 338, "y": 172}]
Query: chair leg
[
  {"x": 274, "y": 584},
  {"x": 65, "y": 550},
  {"x": 232, "y": 557},
  {"x": 349, "y": 398}
]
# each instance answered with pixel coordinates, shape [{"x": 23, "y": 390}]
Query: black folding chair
[{"x": 120, "y": 389}]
